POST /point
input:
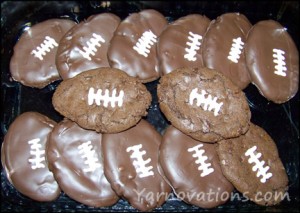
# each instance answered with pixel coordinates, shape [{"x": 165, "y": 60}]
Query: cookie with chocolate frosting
[
  {"x": 179, "y": 44},
  {"x": 131, "y": 166},
  {"x": 133, "y": 46},
  {"x": 23, "y": 157},
  {"x": 33, "y": 60},
  {"x": 74, "y": 157},
  {"x": 85, "y": 46},
  {"x": 193, "y": 170},
  {"x": 273, "y": 61},
  {"x": 223, "y": 47},
  {"x": 203, "y": 104},
  {"x": 251, "y": 162}
]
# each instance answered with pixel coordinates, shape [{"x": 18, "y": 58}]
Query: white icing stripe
[
  {"x": 46, "y": 46},
  {"x": 106, "y": 99},
  {"x": 37, "y": 153},
  {"x": 236, "y": 49},
  {"x": 88, "y": 153},
  {"x": 192, "y": 46},
  {"x": 144, "y": 43},
  {"x": 92, "y": 45},
  {"x": 279, "y": 61}
]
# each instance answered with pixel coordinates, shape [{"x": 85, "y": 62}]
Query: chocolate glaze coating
[
  {"x": 237, "y": 168},
  {"x": 263, "y": 38},
  {"x": 70, "y": 61},
  {"x": 172, "y": 45},
  {"x": 204, "y": 188},
  {"x": 217, "y": 46},
  {"x": 24, "y": 170},
  {"x": 79, "y": 178},
  {"x": 120, "y": 166},
  {"x": 121, "y": 54},
  {"x": 38, "y": 70}
]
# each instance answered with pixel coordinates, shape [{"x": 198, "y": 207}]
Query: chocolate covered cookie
[
  {"x": 131, "y": 166},
  {"x": 84, "y": 47},
  {"x": 33, "y": 60},
  {"x": 74, "y": 157},
  {"x": 106, "y": 100},
  {"x": 133, "y": 46},
  {"x": 23, "y": 157},
  {"x": 273, "y": 61},
  {"x": 179, "y": 44},
  {"x": 251, "y": 162},
  {"x": 203, "y": 104},
  {"x": 223, "y": 47},
  {"x": 193, "y": 170}
]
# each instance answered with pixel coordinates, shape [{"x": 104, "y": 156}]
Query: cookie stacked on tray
[{"x": 104, "y": 150}]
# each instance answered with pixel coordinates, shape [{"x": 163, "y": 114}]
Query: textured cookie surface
[
  {"x": 131, "y": 166},
  {"x": 204, "y": 104},
  {"x": 223, "y": 47},
  {"x": 75, "y": 158},
  {"x": 84, "y": 47},
  {"x": 33, "y": 61},
  {"x": 193, "y": 169},
  {"x": 251, "y": 162},
  {"x": 24, "y": 159},
  {"x": 105, "y": 99},
  {"x": 273, "y": 61}
]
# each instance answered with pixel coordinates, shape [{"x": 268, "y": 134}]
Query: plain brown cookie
[
  {"x": 251, "y": 162},
  {"x": 106, "y": 100},
  {"x": 204, "y": 104}
]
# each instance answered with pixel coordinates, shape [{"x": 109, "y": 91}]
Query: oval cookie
[
  {"x": 106, "y": 100},
  {"x": 193, "y": 170},
  {"x": 273, "y": 61},
  {"x": 74, "y": 157},
  {"x": 85, "y": 46},
  {"x": 251, "y": 162},
  {"x": 23, "y": 157},
  {"x": 131, "y": 166},
  {"x": 203, "y": 104}
]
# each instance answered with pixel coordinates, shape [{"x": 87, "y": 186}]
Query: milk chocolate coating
[
  {"x": 121, "y": 54},
  {"x": 69, "y": 60},
  {"x": 242, "y": 173},
  {"x": 205, "y": 122},
  {"x": 217, "y": 45},
  {"x": 24, "y": 171},
  {"x": 121, "y": 166},
  {"x": 78, "y": 175},
  {"x": 72, "y": 100},
  {"x": 38, "y": 70},
  {"x": 179, "y": 161},
  {"x": 173, "y": 48},
  {"x": 263, "y": 38}
]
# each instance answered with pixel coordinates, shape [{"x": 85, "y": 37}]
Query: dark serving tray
[{"x": 281, "y": 121}]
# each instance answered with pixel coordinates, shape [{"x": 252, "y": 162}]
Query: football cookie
[
  {"x": 33, "y": 60},
  {"x": 23, "y": 157},
  {"x": 131, "y": 166},
  {"x": 106, "y": 100},
  {"x": 223, "y": 47},
  {"x": 84, "y": 47},
  {"x": 133, "y": 46},
  {"x": 193, "y": 170},
  {"x": 251, "y": 162},
  {"x": 273, "y": 61},
  {"x": 74, "y": 157},
  {"x": 203, "y": 104},
  {"x": 179, "y": 44}
]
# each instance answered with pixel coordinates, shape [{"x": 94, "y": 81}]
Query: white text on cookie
[
  {"x": 37, "y": 153},
  {"x": 88, "y": 153},
  {"x": 200, "y": 160},
  {"x": 208, "y": 102},
  {"x": 193, "y": 45},
  {"x": 139, "y": 163},
  {"x": 279, "y": 61},
  {"x": 144, "y": 43},
  {"x": 46, "y": 46},
  {"x": 91, "y": 49},
  {"x": 106, "y": 98},
  {"x": 236, "y": 49},
  {"x": 258, "y": 165}
]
